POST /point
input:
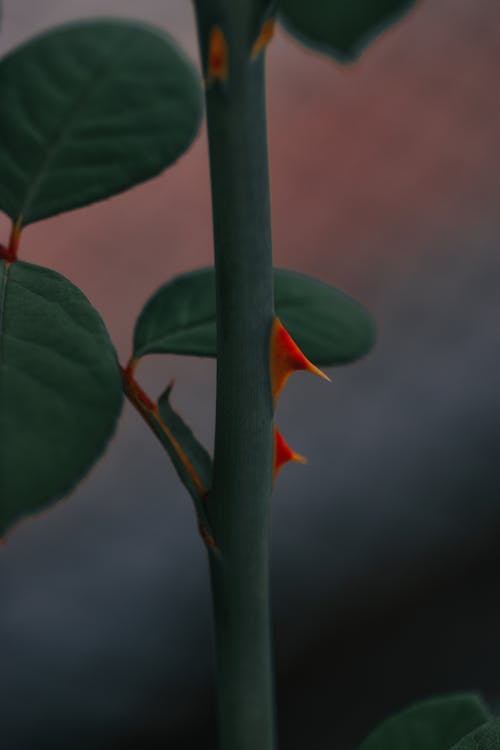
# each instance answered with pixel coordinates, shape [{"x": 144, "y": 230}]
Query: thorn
[
  {"x": 265, "y": 36},
  {"x": 283, "y": 453},
  {"x": 218, "y": 55},
  {"x": 286, "y": 358}
]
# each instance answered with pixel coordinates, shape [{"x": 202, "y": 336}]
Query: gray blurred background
[{"x": 386, "y": 548}]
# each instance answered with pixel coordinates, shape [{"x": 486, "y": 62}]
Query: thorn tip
[
  {"x": 283, "y": 453},
  {"x": 286, "y": 358}
]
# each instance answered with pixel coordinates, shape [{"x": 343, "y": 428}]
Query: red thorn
[
  {"x": 286, "y": 358},
  {"x": 283, "y": 453},
  {"x": 217, "y": 68}
]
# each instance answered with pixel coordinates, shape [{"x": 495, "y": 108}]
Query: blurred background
[{"x": 386, "y": 547}]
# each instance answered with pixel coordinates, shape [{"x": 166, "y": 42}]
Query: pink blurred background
[{"x": 385, "y": 182}]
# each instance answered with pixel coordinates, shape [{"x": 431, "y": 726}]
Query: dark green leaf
[
  {"x": 431, "y": 725},
  {"x": 179, "y": 318},
  {"x": 60, "y": 388},
  {"x": 330, "y": 327},
  {"x": 193, "y": 453},
  {"x": 340, "y": 27},
  {"x": 485, "y": 738},
  {"x": 89, "y": 110}
]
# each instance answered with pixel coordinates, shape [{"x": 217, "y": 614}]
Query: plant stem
[{"x": 239, "y": 505}]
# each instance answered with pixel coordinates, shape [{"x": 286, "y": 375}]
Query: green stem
[{"x": 240, "y": 503}]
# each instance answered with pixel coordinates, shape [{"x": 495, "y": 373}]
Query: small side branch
[{"x": 185, "y": 467}]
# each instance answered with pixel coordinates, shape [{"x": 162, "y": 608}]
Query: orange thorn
[
  {"x": 218, "y": 55},
  {"x": 265, "y": 36},
  {"x": 286, "y": 358},
  {"x": 283, "y": 453}
]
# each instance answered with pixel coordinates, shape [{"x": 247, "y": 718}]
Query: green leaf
[
  {"x": 431, "y": 725},
  {"x": 341, "y": 28},
  {"x": 88, "y": 110},
  {"x": 486, "y": 737},
  {"x": 193, "y": 458},
  {"x": 60, "y": 388},
  {"x": 330, "y": 327},
  {"x": 179, "y": 318}
]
